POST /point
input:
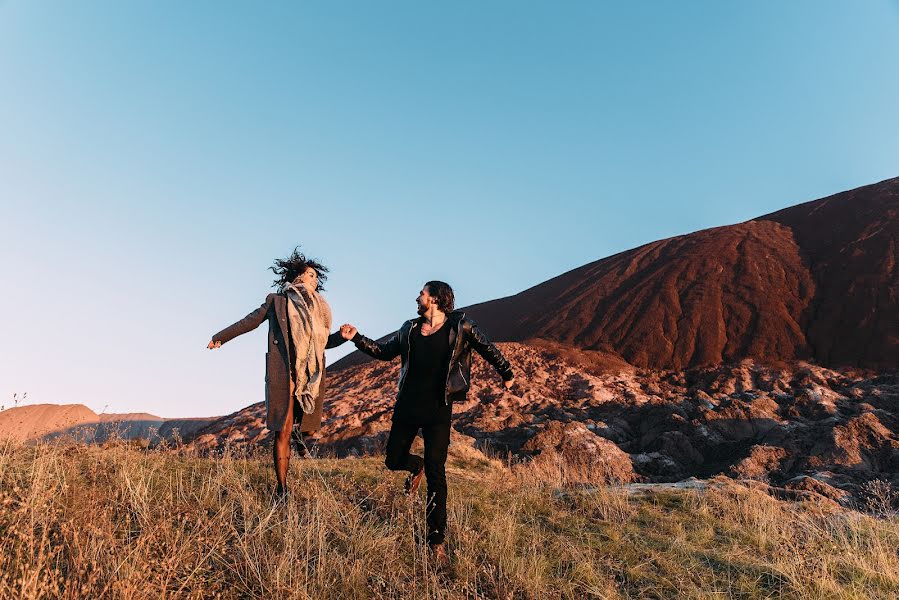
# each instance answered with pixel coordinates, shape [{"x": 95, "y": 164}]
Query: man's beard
[{"x": 421, "y": 309}]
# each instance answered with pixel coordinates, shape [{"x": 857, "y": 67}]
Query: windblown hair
[
  {"x": 288, "y": 269},
  {"x": 446, "y": 300}
]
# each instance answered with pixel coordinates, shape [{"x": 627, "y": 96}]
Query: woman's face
[{"x": 309, "y": 278}]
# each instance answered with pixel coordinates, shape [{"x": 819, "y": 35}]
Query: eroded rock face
[{"x": 748, "y": 421}]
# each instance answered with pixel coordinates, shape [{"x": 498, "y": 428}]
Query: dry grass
[{"x": 125, "y": 522}]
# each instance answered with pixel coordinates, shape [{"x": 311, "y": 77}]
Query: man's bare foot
[
  {"x": 438, "y": 552},
  {"x": 413, "y": 481}
]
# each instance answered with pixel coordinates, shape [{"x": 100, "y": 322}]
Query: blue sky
[{"x": 156, "y": 156}]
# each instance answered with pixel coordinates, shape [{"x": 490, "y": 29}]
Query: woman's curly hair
[{"x": 288, "y": 269}]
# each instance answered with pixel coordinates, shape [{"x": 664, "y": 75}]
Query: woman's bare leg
[{"x": 281, "y": 451}]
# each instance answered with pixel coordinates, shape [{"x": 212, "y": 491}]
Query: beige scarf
[{"x": 310, "y": 325}]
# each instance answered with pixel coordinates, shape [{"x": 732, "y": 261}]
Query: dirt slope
[
  {"x": 817, "y": 281},
  {"x": 76, "y": 421}
]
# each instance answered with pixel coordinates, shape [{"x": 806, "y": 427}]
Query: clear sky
[{"x": 155, "y": 156}]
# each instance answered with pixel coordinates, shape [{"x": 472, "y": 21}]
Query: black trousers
[{"x": 437, "y": 438}]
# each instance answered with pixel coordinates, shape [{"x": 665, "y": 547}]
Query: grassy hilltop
[{"x": 124, "y": 522}]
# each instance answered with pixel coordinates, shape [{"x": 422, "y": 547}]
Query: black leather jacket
[{"x": 463, "y": 336}]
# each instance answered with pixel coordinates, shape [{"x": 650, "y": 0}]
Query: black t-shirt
[{"x": 422, "y": 399}]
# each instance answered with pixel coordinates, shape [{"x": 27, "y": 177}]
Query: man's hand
[
  {"x": 347, "y": 331},
  {"x": 508, "y": 384},
  {"x": 214, "y": 344}
]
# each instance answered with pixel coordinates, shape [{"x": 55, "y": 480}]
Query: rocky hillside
[
  {"x": 764, "y": 350},
  {"x": 816, "y": 282},
  {"x": 794, "y": 424},
  {"x": 75, "y": 421}
]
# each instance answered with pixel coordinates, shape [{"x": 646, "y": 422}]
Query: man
[{"x": 435, "y": 351}]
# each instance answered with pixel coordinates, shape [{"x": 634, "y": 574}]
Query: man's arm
[
  {"x": 248, "y": 323},
  {"x": 381, "y": 350},
  {"x": 491, "y": 354},
  {"x": 335, "y": 339}
]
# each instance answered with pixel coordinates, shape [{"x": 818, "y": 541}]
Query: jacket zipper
[
  {"x": 450, "y": 369},
  {"x": 406, "y": 370}
]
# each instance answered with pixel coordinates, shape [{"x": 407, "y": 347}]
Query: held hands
[
  {"x": 347, "y": 331},
  {"x": 508, "y": 384},
  {"x": 214, "y": 344}
]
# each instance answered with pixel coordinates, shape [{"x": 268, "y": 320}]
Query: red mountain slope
[{"x": 817, "y": 281}]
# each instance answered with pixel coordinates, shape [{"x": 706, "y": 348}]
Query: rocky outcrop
[
  {"x": 761, "y": 462},
  {"x": 579, "y": 448},
  {"x": 816, "y": 486},
  {"x": 244, "y": 428}
]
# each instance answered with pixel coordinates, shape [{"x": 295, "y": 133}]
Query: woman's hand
[
  {"x": 214, "y": 344},
  {"x": 347, "y": 331}
]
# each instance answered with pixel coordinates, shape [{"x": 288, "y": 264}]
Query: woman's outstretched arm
[{"x": 248, "y": 323}]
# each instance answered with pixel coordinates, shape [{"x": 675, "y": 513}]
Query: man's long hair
[
  {"x": 288, "y": 269},
  {"x": 442, "y": 291}
]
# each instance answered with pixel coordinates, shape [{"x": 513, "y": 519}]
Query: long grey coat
[{"x": 278, "y": 382}]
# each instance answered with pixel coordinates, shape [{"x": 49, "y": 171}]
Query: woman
[{"x": 299, "y": 322}]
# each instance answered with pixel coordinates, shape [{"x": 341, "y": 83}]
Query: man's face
[{"x": 425, "y": 300}]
